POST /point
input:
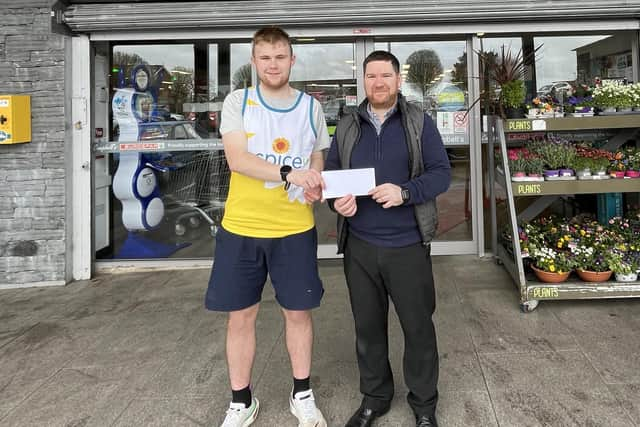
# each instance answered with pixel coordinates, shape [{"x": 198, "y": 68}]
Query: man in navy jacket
[{"x": 386, "y": 238}]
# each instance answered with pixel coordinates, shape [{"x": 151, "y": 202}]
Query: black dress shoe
[
  {"x": 364, "y": 417},
  {"x": 426, "y": 421}
]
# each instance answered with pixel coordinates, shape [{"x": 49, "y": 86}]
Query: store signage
[
  {"x": 451, "y": 98},
  {"x": 141, "y": 146},
  {"x": 541, "y": 292},
  {"x": 522, "y": 189},
  {"x": 519, "y": 125},
  {"x": 362, "y": 31}
]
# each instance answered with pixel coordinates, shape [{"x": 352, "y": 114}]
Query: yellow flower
[
  {"x": 582, "y": 232},
  {"x": 560, "y": 243},
  {"x": 552, "y": 268}
]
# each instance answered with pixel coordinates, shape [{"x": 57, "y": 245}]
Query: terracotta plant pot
[
  {"x": 594, "y": 276},
  {"x": 548, "y": 277}
]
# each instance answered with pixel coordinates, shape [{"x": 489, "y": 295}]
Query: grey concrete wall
[{"x": 32, "y": 175}]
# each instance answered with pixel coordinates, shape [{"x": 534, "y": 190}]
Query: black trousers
[{"x": 405, "y": 275}]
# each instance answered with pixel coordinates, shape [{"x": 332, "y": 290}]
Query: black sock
[
  {"x": 242, "y": 396},
  {"x": 300, "y": 385}
]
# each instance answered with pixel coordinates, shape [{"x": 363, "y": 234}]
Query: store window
[{"x": 163, "y": 157}]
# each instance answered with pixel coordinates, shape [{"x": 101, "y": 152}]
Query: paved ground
[{"x": 138, "y": 349}]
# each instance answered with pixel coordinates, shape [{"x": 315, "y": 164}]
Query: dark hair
[
  {"x": 271, "y": 35},
  {"x": 382, "y": 55}
]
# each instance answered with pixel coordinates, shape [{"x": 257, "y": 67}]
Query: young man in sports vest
[{"x": 273, "y": 135}]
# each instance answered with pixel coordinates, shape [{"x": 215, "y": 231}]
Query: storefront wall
[
  {"x": 34, "y": 222},
  {"x": 105, "y": 29}
]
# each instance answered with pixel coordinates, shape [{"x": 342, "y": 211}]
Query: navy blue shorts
[{"x": 241, "y": 265}]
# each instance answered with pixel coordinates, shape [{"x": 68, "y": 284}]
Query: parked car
[
  {"x": 168, "y": 130},
  {"x": 555, "y": 88}
]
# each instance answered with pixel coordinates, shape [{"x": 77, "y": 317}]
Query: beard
[
  {"x": 382, "y": 103},
  {"x": 273, "y": 83}
]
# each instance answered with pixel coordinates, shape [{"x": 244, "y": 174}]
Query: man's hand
[
  {"x": 313, "y": 195},
  {"x": 346, "y": 206},
  {"x": 388, "y": 195},
  {"x": 305, "y": 178}
]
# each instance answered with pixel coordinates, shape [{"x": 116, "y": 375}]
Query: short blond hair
[{"x": 271, "y": 35}]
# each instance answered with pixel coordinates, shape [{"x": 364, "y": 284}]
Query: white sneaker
[
  {"x": 303, "y": 407},
  {"x": 240, "y": 416}
]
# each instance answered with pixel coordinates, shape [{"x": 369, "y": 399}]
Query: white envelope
[{"x": 339, "y": 183}]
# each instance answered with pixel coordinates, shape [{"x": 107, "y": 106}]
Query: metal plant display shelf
[{"x": 508, "y": 250}]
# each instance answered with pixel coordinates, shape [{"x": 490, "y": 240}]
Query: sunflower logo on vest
[{"x": 280, "y": 145}]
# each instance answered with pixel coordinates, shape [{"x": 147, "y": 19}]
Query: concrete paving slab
[
  {"x": 616, "y": 358},
  {"x": 470, "y": 272},
  {"x": 497, "y": 325},
  {"x": 629, "y": 397},
  {"x": 552, "y": 388},
  {"x": 75, "y": 397},
  {"x": 197, "y": 368},
  {"x": 601, "y": 319},
  {"x": 137, "y": 339},
  {"x": 40, "y": 352},
  {"x": 180, "y": 411},
  {"x": 465, "y": 408}
]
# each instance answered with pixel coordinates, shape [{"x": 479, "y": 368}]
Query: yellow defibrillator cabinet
[{"x": 15, "y": 119}]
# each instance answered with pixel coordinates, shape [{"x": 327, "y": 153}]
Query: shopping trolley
[{"x": 194, "y": 186}]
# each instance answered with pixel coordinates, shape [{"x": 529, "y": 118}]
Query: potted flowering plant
[
  {"x": 512, "y": 97},
  {"x": 624, "y": 266},
  {"x": 517, "y": 162},
  {"x": 550, "y": 265},
  {"x": 592, "y": 265},
  {"x": 542, "y": 106},
  {"x": 612, "y": 95},
  {"x": 633, "y": 163},
  {"x": 557, "y": 154},
  {"x": 535, "y": 166},
  {"x": 600, "y": 159},
  {"x": 583, "y": 166},
  {"x": 580, "y": 103},
  {"x": 618, "y": 165},
  {"x": 601, "y": 165}
]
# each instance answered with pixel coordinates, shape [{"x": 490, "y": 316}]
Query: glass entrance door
[
  {"x": 435, "y": 77},
  {"x": 328, "y": 72}
]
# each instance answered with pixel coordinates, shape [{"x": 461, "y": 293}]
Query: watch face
[
  {"x": 141, "y": 79},
  {"x": 405, "y": 194}
]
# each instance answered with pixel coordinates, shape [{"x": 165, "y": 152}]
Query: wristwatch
[
  {"x": 284, "y": 171},
  {"x": 406, "y": 195}
]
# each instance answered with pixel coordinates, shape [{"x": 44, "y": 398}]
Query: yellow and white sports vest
[{"x": 257, "y": 208}]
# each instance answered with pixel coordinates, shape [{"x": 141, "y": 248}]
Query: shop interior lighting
[
  {"x": 306, "y": 40},
  {"x": 181, "y": 72}
]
